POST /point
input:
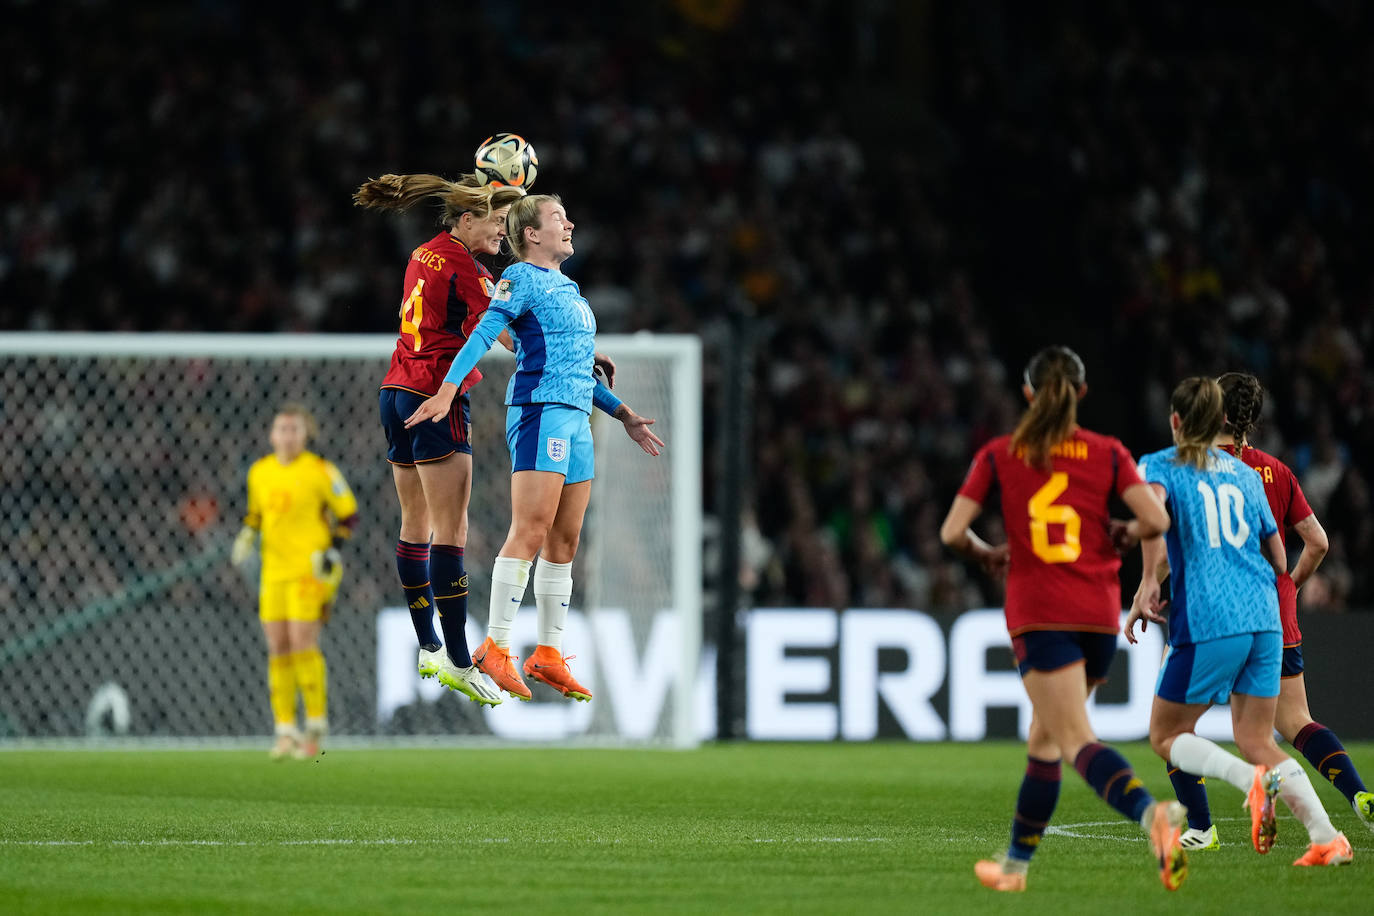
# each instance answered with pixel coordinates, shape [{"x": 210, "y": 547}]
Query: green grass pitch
[{"x": 748, "y": 828}]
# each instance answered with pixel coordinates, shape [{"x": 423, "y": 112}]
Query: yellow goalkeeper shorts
[{"x": 302, "y": 599}]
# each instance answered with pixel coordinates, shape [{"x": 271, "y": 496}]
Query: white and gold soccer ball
[{"x": 507, "y": 160}]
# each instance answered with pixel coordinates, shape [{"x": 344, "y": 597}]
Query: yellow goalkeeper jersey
[{"x": 297, "y": 507}]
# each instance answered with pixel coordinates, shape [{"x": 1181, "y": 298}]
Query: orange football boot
[
  {"x": 499, "y": 665},
  {"x": 1166, "y": 823},
  {"x": 990, "y": 874},
  {"x": 547, "y": 664},
  {"x": 1337, "y": 852},
  {"x": 1260, "y": 801}
]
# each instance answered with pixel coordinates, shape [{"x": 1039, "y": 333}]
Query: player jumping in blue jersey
[
  {"x": 549, "y": 403},
  {"x": 1225, "y": 641}
]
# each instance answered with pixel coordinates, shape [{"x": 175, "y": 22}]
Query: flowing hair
[
  {"x": 1243, "y": 396},
  {"x": 1201, "y": 409},
  {"x": 466, "y": 195},
  {"x": 1054, "y": 376}
]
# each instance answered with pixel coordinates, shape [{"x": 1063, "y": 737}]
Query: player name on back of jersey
[
  {"x": 431, "y": 259},
  {"x": 1076, "y": 449}
]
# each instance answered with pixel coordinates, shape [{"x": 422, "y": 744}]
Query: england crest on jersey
[{"x": 558, "y": 449}]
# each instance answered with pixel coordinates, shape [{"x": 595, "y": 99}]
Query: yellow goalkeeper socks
[
  {"x": 310, "y": 677},
  {"x": 281, "y": 690}
]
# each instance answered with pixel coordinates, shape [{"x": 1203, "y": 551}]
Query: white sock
[
  {"x": 509, "y": 576},
  {"x": 552, "y": 591},
  {"x": 1297, "y": 793},
  {"x": 1203, "y": 758}
]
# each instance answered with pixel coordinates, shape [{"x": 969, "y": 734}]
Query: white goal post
[{"x": 124, "y": 458}]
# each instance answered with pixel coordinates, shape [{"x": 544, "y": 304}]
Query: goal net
[{"x": 124, "y": 459}]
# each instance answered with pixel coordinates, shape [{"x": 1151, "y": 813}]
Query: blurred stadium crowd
[{"x": 892, "y": 203}]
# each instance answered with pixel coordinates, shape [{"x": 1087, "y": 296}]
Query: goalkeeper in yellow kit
[{"x": 302, "y": 509}]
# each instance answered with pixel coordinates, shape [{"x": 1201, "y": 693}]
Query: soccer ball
[{"x": 507, "y": 160}]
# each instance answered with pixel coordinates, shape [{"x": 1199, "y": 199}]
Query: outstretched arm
[
  {"x": 637, "y": 428},
  {"x": 483, "y": 336}
]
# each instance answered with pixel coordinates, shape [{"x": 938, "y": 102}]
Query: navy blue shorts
[
  {"x": 1050, "y": 650},
  {"x": 1292, "y": 661},
  {"x": 427, "y": 441}
]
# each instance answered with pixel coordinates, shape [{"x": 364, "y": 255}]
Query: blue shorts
[
  {"x": 1050, "y": 650},
  {"x": 551, "y": 437},
  {"x": 1292, "y": 661},
  {"x": 1209, "y": 672},
  {"x": 427, "y": 441}
]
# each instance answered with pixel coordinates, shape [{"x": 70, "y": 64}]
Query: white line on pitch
[
  {"x": 1072, "y": 830},
  {"x": 397, "y": 841}
]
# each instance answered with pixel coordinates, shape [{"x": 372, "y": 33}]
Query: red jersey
[
  {"x": 1063, "y": 572},
  {"x": 1290, "y": 507},
  {"x": 446, "y": 291}
]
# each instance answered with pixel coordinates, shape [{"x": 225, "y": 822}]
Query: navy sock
[
  {"x": 1034, "y": 806},
  {"x": 412, "y": 565},
  {"x": 1113, "y": 780},
  {"x": 1327, "y": 755},
  {"x": 451, "y": 599},
  {"x": 1192, "y": 792}
]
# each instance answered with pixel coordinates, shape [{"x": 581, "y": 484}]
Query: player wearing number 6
[
  {"x": 1225, "y": 644},
  {"x": 1063, "y": 602}
]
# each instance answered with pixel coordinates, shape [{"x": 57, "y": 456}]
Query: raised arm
[{"x": 434, "y": 409}]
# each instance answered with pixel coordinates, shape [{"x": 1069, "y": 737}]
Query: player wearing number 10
[
  {"x": 1224, "y": 551},
  {"x": 1293, "y": 720},
  {"x": 1063, "y": 601}
]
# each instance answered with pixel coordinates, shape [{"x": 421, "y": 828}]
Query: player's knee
[
  {"x": 1160, "y": 742},
  {"x": 1256, "y": 745},
  {"x": 1290, "y": 723},
  {"x": 560, "y": 547},
  {"x": 526, "y": 539}
]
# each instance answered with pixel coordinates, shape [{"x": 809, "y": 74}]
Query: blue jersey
[
  {"x": 1221, "y": 584},
  {"x": 555, "y": 340},
  {"x": 555, "y": 336}
]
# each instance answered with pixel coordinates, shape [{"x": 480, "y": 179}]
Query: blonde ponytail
[
  {"x": 467, "y": 195},
  {"x": 1201, "y": 409}
]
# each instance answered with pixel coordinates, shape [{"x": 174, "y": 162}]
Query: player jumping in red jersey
[
  {"x": 446, "y": 290},
  {"x": 1063, "y": 602},
  {"x": 1244, "y": 399}
]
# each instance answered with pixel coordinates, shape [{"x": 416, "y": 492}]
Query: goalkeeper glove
[
  {"x": 244, "y": 546},
  {"x": 327, "y": 565}
]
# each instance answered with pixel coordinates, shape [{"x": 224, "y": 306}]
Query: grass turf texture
[{"x": 750, "y": 828}]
